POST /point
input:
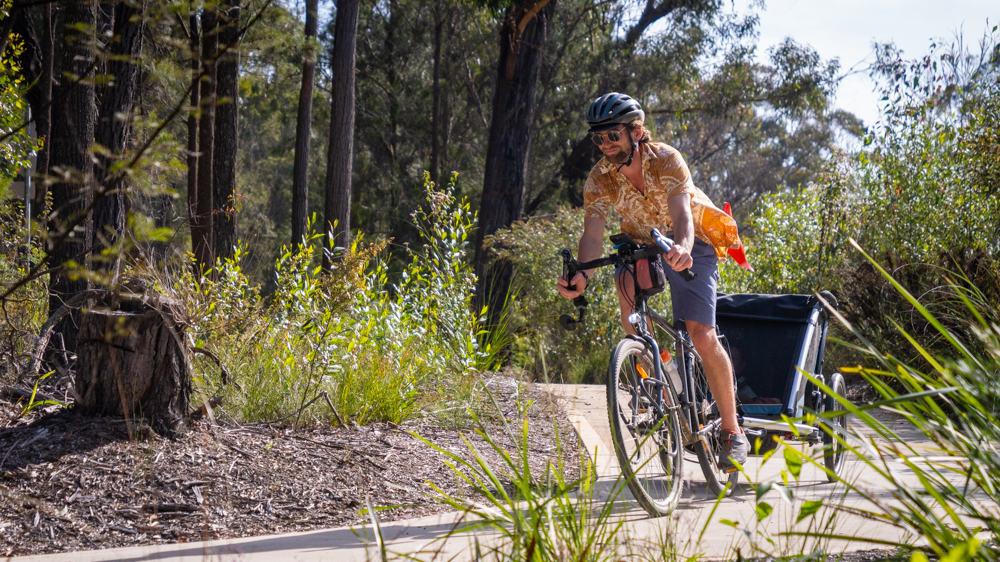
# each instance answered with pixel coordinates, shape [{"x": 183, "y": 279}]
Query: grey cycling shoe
[{"x": 734, "y": 446}]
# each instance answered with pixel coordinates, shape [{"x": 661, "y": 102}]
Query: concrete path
[{"x": 696, "y": 527}]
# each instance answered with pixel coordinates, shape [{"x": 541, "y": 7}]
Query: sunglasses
[{"x": 613, "y": 136}]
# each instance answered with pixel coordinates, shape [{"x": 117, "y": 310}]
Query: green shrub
[
  {"x": 922, "y": 197},
  {"x": 533, "y": 246},
  {"x": 379, "y": 350}
]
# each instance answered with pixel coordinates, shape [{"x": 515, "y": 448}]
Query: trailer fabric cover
[
  {"x": 776, "y": 307},
  {"x": 765, "y": 334}
]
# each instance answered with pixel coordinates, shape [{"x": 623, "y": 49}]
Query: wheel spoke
[{"x": 644, "y": 442}]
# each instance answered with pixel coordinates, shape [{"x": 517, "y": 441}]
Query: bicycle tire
[
  {"x": 835, "y": 453},
  {"x": 717, "y": 481},
  {"x": 656, "y": 486}
]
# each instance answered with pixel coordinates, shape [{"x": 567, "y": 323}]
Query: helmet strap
[{"x": 631, "y": 155}]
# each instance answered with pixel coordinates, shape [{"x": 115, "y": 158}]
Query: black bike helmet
[{"x": 612, "y": 109}]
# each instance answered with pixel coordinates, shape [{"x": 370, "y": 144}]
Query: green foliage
[
  {"x": 951, "y": 402},
  {"x": 582, "y": 355},
  {"x": 380, "y": 350},
  {"x": 538, "y": 517},
  {"x": 922, "y": 196},
  {"x": 15, "y": 144},
  {"x": 25, "y": 309}
]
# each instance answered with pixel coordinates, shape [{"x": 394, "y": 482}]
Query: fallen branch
[
  {"x": 329, "y": 403},
  {"x": 21, "y": 392},
  {"x": 215, "y": 402}
]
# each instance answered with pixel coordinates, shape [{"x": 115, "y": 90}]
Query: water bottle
[{"x": 671, "y": 368}]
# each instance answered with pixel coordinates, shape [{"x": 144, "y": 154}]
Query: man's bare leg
[
  {"x": 718, "y": 371},
  {"x": 718, "y": 368}
]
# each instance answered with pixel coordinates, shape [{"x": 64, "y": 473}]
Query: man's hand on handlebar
[
  {"x": 579, "y": 283},
  {"x": 679, "y": 258}
]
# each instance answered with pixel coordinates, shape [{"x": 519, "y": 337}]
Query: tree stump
[{"x": 131, "y": 364}]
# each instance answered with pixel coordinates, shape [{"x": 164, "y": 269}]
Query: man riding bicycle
[{"x": 649, "y": 185}]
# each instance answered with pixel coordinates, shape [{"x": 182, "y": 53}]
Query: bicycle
[{"x": 653, "y": 415}]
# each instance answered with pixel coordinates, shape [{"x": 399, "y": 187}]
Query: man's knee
[{"x": 702, "y": 335}]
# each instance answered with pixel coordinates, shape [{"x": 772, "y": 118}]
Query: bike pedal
[{"x": 731, "y": 470}]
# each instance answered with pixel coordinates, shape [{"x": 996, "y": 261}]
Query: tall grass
[
  {"x": 953, "y": 404},
  {"x": 946, "y": 502}
]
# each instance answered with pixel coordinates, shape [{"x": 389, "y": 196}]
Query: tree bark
[
  {"x": 114, "y": 125},
  {"x": 194, "y": 41},
  {"x": 522, "y": 37},
  {"x": 436, "y": 96},
  {"x": 226, "y": 124},
  {"x": 201, "y": 223},
  {"x": 337, "y": 207},
  {"x": 303, "y": 129},
  {"x": 133, "y": 365},
  {"x": 72, "y": 135}
]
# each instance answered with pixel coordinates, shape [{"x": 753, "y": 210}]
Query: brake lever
[
  {"x": 668, "y": 244},
  {"x": 567, "y": 321}
]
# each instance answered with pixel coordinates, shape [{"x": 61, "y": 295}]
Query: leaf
[
  {"x": 809, "y": 508},
  {"x": 793, "y": 461},
  {"x": 786, "y": 493},
  {"x": 763, "y": 510},
  {"x": 763, "y": 488}
]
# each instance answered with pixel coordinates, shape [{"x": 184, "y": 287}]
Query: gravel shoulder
[{"x": 70, "y": 483}]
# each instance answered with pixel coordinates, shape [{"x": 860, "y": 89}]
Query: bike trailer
[{"x": 772, "y": 339}]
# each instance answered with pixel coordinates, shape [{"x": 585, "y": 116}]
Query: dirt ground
[{"x": 73, "y": 483}]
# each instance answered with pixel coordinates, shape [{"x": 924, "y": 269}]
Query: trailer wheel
[{"x": 835, "y": 452}]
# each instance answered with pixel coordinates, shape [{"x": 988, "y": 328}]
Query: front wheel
[
  {"x": 648, "y": 445},
  {"x": 835, "y": 451}
]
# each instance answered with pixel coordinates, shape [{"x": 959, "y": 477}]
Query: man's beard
[{"x": 619, "y": 157}]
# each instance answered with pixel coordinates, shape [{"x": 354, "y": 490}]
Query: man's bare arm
[
  {"x": 680, "y": 213},
  {"x": 591, "y": 244}
]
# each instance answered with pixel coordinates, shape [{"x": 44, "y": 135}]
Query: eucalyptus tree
[{"x": 340, "y": 151}]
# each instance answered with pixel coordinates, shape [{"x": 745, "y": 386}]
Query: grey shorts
[{"x": 694, "y": 300}]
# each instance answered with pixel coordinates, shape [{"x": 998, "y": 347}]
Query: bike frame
[{"x": 641, "y": 314}]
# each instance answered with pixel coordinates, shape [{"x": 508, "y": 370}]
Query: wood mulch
[{"x": 70, "y": 483}]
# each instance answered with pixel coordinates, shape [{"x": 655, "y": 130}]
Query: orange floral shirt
[{"x": 666, "y": 175}]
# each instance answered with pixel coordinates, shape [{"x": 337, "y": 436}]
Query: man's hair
[{"x": 644, "y": 135}]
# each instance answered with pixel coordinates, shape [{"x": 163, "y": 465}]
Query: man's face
[{"x": 617, "y": 152}]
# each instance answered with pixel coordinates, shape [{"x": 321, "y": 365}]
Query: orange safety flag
[{"x": 737, "y": 253}]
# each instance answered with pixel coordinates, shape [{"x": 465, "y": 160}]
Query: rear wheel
[
  {"x": 706, "y": 449},
  {"x": 835, "y": 453},
  {"x": 648, "y": 446}
]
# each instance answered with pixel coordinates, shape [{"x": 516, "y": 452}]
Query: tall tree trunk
[
  {"x": 337, "y": 207},
  {"x": 226, "y": 121},
  {"x": 72, "y": 135},
  {"x": 194, "y": 41},
  {"x": 303, "y": 128},
  {"x": 43, "y": 117},
  {"x": 522, "y": 38},
  {"x": 201, "y": 224},
  {"x": 114, "y": 125},
  {"x": 436, "y": 95}
]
